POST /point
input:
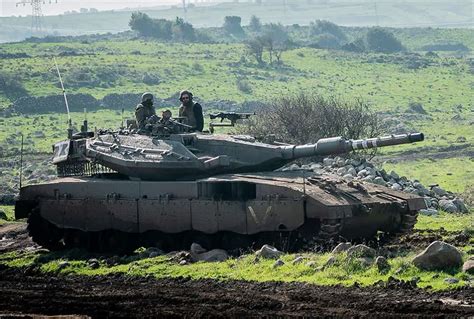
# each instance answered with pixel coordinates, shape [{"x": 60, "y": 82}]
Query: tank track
[{"x": 53, "y": 238}]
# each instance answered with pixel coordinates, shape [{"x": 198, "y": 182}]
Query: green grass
[
  {"x": 9, "y": 211},
  {"x": 450, "y": 222},
  {"x": 453, "y": 174},
  {"x": 345, "y": 272}
]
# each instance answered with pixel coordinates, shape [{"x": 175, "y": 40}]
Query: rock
[
  {"x": 362, "y": 173},
  {"x": 451, "y": 280},
  {"x": 339, "y": 161},
  {"x": 294, "y": 167},
  {"x": 468, "y": 266},
  {"x": 439, "y": 191},
  {"x": 396, "y": 187},
  {"x": 448, "y": 206},
  {"x": 361, "y": 251},
  {"x": 459, "y": 203},
  {"x": 341, "y": 248},
  {"x": 197, "y": 249},
  {"x": 213, "y": 255},
  {"x": 154, "y": 254},
  {"x": 311, "y": 264},
  {"x": 428, "y": 212},
  {"x": 341, "y": 171},
  {"x": 365, "y": 262},
  {"x": 93, "y": 263},
  {"x": 268, "y": 251},
  {"x": 438, "y": 256},
  {"x": 183, "y": 262},
  {"x": 297, "y": 260},
  {"x": 461, "y": 139},
  {"x": 331, "y": 261},
  {"x": 63, "y": 264},
  {"x": 328, "y": 161},
  {"x": 278, "y": 263},
  {"x": 379, "y": 181},
  {"x": 382, "y": 264},
  {"x": 348, "y": 177}
]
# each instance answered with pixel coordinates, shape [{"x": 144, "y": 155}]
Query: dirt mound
[{"x": 123, "y": 296}]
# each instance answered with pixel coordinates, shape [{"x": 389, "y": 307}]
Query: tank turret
[{"x": 188, "y": 156}]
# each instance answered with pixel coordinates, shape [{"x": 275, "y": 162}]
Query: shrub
[
  {"x": 232, "y": 25},
  {"x": 326, "y": 27},
  {"x": 244, "y": 86},
  {"x": 381, "y": 40},
  {"x": 305, "y": 118},
  {"x": 11, "y": 86},
  {"x": 327, "y": 41},
  {"x": 255, "y": 25}
]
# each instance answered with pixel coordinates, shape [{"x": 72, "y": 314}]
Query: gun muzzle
[{"x": 339, "y": 145}]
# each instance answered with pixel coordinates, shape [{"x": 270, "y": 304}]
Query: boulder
[
  {"x": 341, "y": 248},
  {"x": 396, "y": 187},
  {"x": 382, "y": 264},
  {"x": 197, "y": 249},
  {"x": 268, "y": 251},
  {"x": 468, "y": 266},
  {"x": 438, "y": 256},
  {"x": 448, "y": 206},
  {"x": 460, "y": 205},
  {"x": 451, "y": 281},
  {"x": 361, "y": 251},
  {"x": 331, "y": 261},
  {"x": 298, "y": 260},
  {"x": 278, "y": 263},
  {"x": 379, "y": 181},
  {"x": 428, "y": 212},
  {"x": 93, "y": 263},
  {"x": 213, "y": 255},
  {"x": 439, "y": 191},
  {"x": 365, "y": 262}
]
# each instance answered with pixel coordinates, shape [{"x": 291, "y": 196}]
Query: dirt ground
[{"x": 26, "y": 292}]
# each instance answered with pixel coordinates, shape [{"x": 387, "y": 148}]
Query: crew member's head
[
  {"x": 147, "y": 99},
  {"x": 186, "y": 97}
]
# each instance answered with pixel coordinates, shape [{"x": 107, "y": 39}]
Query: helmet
[
  {"x": 147, "y": 96},
  {"x": 185, "y": 92}
]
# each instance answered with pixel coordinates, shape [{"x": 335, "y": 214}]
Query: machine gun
[{"x": 231, "y": 116}]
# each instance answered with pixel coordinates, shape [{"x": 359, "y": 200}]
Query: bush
[
  {"x": 255, "y": 25},
  {"x": 232, "y": 25},
  {"x": 244, "y": 86},
  {"x": 11, "y": 86},
  {"x": 326, "y": 27},
  {"x": 183, "y": 31},
  {"x": 446, "y": 47},
  {"x": 327, "y": 41},
  {"x": 381, "y": 40},
  {"x": 305, "y": 118}
]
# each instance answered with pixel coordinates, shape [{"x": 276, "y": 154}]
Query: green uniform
[{"x": 142, "y": 114}]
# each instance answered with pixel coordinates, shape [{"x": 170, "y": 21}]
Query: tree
[
  {"x": 275, "y": 40},
  {"x": 232, "y": 24},
  {"x": 141, "y": 23},
  {"x": 255, "y": 25},
  {"x": 183, "y": 31},
  {"x": 381, "y": 40},
  {"x": 326, "y": 27},
  {"x": 255, "y": 48}
]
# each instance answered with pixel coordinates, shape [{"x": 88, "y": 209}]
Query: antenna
[
  {"x": 21, "y": 160},
  {"x": 69, "y": 130}
]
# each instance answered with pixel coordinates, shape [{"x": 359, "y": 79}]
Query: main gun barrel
[{"x": 339, "y": 145}]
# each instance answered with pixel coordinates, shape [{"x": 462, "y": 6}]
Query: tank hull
[{"x": 240, "y": 209}]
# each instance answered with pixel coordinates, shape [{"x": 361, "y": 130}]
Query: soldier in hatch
[
  {"x": 192, "y": 111},
  {"x": 145, "y": 112}
]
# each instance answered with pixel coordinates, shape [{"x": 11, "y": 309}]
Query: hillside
[{"x": 348, "y": 13}]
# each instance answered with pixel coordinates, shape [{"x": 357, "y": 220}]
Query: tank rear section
[{"x": 286, "y": 209}]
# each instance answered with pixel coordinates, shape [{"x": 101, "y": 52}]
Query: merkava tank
[{"x": 167, "y": 187}]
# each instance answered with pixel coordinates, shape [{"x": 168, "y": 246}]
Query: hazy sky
[{"x": 8, "y": 7}]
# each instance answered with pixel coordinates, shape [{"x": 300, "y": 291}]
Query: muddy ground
[{"x": 29, "y": 292}]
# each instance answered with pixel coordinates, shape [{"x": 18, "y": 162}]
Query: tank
[{"x": 168, "y": 187}]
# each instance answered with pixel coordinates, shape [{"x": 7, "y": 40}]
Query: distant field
[
  {"x": 441, "y": 13},
  {"x": 213, "y": 72}
]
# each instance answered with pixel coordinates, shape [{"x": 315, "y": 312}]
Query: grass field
[{"x": 343, "y": 272}]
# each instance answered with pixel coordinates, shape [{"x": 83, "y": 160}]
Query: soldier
[
  {"x": 192, "y": 111},
  {"x": 145, "y": 112}
]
